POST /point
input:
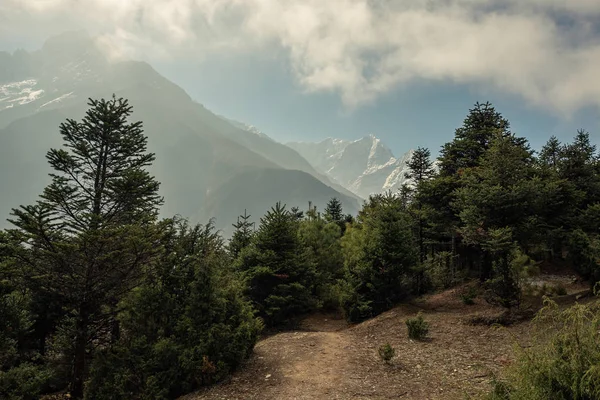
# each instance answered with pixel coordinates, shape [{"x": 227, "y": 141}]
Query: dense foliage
[
  {"x": 98, "y": 296},
  {"x": 187, "y": 325},
  {"x": 564, "y": 362},
  {"x": 101, "y": 298}
]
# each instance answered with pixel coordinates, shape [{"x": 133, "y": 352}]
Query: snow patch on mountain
[
  {"x": 19, "y": 93},
  {"x": 365, "y": 166},
  {"x": 56, "y": 100}
]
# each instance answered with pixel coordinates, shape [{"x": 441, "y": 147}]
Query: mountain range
[
  {"x": 365, "y": 166},
  {"x": 209, "y": 166}
]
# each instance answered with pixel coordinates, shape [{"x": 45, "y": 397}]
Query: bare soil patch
[{"x": 326, "y": 359}]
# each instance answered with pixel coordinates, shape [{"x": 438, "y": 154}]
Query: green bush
[
  {"x": 564, "y": 361},
  {"x": 468, "y": 296},
  {"x": 24, "y": 382},
  {"x": 441, "y": 270},
  {"x": 386, "y": 352},
  {"x": 188, "y": 326},
  {"x": 418, "y": 328}
]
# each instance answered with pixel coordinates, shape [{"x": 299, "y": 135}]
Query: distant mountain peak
[{"x": 364, "y": 166}]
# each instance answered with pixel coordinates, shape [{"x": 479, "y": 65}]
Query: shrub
[
  {"x": 441, "y": 270},
  {"x": 24, "y": 382},
  {"x": 564, "y": 361},
  {"x": 559, "y": 289},
  {"x": 418, "y": 328},
  {"x": 468, "y": 296},
  {"x": 386, "y": 352},
  {"x": 188, "y": 326}
]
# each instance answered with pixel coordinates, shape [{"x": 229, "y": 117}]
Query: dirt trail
[
  {"x": 307, "y": 364},
  {"x": 325, "y": 359}
]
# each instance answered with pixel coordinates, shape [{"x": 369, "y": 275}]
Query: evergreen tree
[
  {"x": 472, "y": 140},
  {"x": 89, "y": 237},
  {"x": 379, "y": 257},
  {"x": 280, "y": 279},
  {"x": 420, "y": 170},
  {"x": 551, "y": 154},
  {"x": 242, "y": 236},
  {"x": 335, "y": 213},
  {"x": 497, "y": 204},
  {"x": 321, "y": 241},
  {"x": 420, "y": 166},
  {"x": 580, "y": 166},
  {"x": 186, "y": 326}
]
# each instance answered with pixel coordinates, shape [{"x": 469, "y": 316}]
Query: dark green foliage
[
  {"x": 473, "y": 139},
  {"x": 84, "y": 244},
  {"x": 334, "y": 213},
  {"x": 386, "y": 352},
  {"x": 584, "y": 253},
  {"x": 420, "y": 170},
  {"x": 186, "y": 326},
  {"x": 24, "y": 382},
  {"x": 551, "y": 155},
  {"x": 321, "y": 242},
  {"x": 280, "y": 278},
  {"x": 420, "y": 166},
  {"x": 417, "y": 327},
  {"x": 242, "y": 236},
  {"x": 379, "y": 257}
]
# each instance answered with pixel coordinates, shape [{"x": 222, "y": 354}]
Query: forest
[{"x": 102, "y": 298}]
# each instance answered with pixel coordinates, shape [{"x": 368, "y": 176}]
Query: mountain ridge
[
  {"x": 197, "y": 152},
  {"x": 364, "y": 166}
]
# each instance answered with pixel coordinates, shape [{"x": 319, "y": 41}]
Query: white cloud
[{"x": 359, "y": 48}]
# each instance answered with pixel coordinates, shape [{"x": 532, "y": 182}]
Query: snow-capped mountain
[
  {"x": 365, "y": 166},
  {"x": 52, "y": 75},
  {"x": 208, "y": 166}
]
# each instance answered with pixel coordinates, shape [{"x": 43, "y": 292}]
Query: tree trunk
[{"x": 79, "y": 365}]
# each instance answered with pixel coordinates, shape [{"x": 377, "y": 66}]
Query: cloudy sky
[{"x": 404, "y": 70}]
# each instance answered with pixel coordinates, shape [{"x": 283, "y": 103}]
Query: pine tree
[
  {"x": 90, "y": 235},
  {"x": 335, "y": 213},
  {"x": 500, "y": 194},
  {"x": 242, "y": 236},
  {"x": 551, "y": 154},
  {"x": 420, "y": 166},
  {"x": 472, "y": 140},
  {"x": 187, "y": 325},
  {"x": 379, "y": 257},
  {"x": 420, "y": 170},
  {"x": 280, "y": 280}
]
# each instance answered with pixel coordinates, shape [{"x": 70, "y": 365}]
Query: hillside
[
  {"x": 327, "y": 359},
  {"x": 196, "y": 151}
]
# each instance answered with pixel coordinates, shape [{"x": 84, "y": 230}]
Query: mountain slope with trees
[
  {"x": 197, "y": 151},
  {"x": 103, "y": 299}
]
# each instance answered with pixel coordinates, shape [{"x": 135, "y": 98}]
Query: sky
[{"x": 303, "y": 70}]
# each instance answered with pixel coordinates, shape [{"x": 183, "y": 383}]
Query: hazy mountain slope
[
  {"x": 197, "y": 152},
  {"x": 259, "y": 183},
  {"x": 279, "y": 153},
  {"x": 364, "y": 166}
]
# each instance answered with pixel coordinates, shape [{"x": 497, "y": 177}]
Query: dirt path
[
  {"x": 325, "y": 359},
  {"x": 306, "y": 364}
]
